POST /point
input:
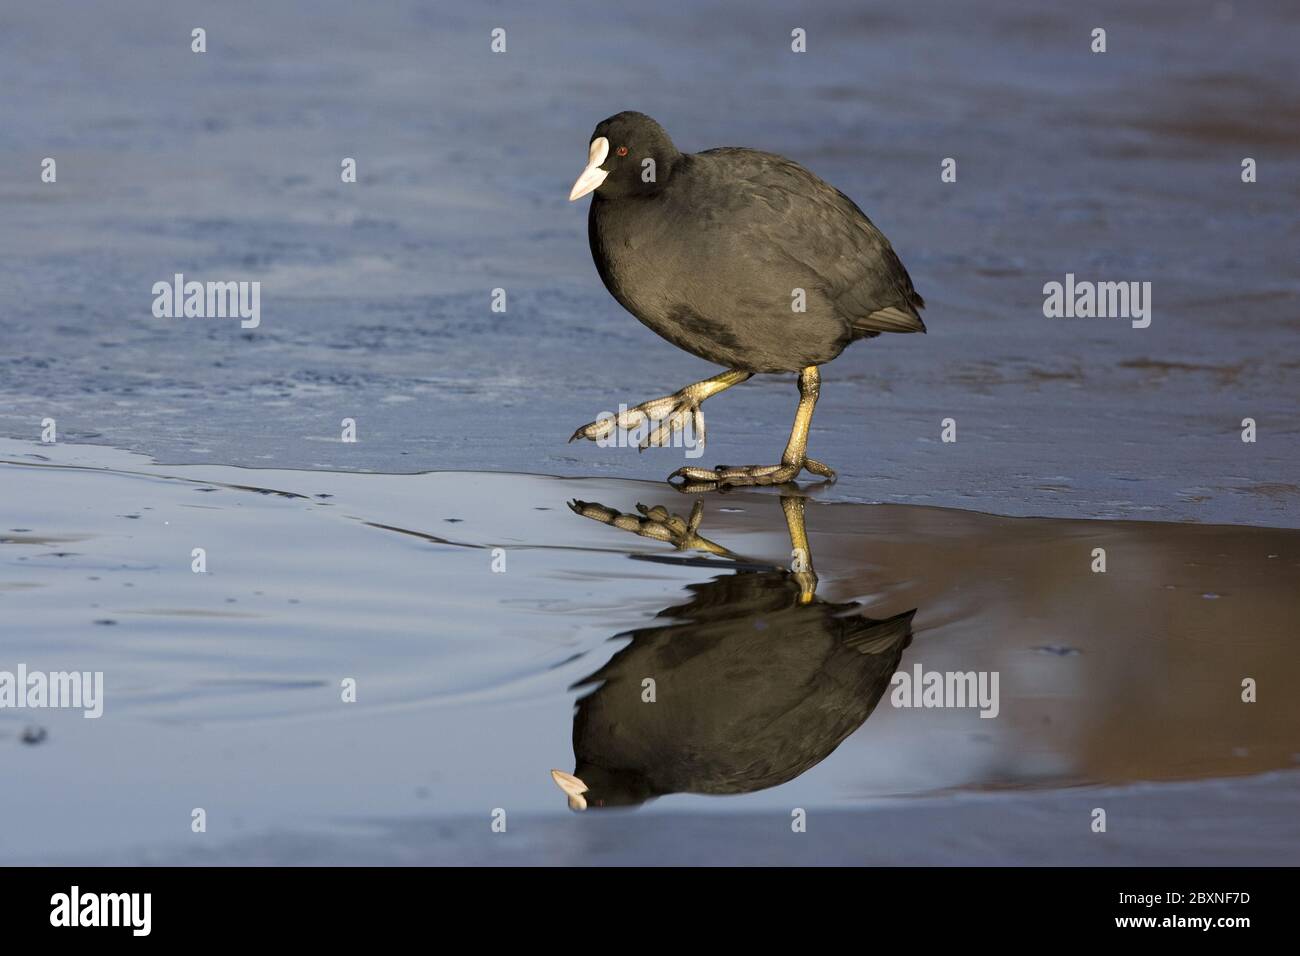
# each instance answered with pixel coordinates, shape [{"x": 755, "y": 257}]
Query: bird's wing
[{"x": 820, "y": 228}]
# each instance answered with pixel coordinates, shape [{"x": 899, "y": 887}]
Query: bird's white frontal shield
[{"x": 593, "y": 175}]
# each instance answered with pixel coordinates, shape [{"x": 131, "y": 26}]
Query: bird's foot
[
  {"x": 725, "y": 476},
  {"x": 671, "y": 413},
  {"x": 656, "y": 522}
]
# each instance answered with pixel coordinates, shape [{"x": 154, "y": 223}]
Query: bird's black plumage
[
  {"x": 708, "y": 250},
  {"x": 753, "y": 686}
]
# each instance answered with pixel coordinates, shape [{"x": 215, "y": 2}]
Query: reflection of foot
[
  {"x": 655, "y": 523},
  {"x": 724, "y": 476},
  {"x": 683, "y": 533}
]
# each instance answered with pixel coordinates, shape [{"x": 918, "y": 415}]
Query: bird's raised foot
[
  {"x": 726, "y": 476},
  {"x": 668, "y": 415}
]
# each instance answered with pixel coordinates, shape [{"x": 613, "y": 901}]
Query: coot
[
  {"x": 753, "y": 686},
  {"x": 743, "y": 258}
]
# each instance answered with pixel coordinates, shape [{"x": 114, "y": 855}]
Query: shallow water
[
  {"x": 374, "y": 560},
  {"x": 223, "y": 688}
]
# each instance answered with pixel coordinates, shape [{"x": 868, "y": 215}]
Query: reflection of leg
[
  {"x": 655, "y": 523},
  {"x": 793, "y": 461},
  {"x": 672, "y": 411},
  {"x": 800, "y": 552}
]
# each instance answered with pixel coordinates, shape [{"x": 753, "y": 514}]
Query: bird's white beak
[
  {"x": 573, "y": 787},
  {"x": 591, "y": 179}
]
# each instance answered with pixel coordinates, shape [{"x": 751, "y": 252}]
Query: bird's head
[{"x": 629, "y": 155}]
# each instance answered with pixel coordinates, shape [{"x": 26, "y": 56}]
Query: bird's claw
[
  {"x": 671, "y": 412},
  {"x": 820, "y": 469}
]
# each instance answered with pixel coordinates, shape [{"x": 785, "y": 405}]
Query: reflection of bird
[
  {"x": 752, "y": 687},
  {"x": 743, "y": 258}
]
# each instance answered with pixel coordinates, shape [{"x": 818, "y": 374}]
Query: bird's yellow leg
[
  {"x": 672, "y": 412},
  {"x": 793, "y": 461}
]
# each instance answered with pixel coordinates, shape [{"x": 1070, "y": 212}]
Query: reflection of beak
[
  {"x": 571, "y": 785},
  {"x": 593, "y": 175}
]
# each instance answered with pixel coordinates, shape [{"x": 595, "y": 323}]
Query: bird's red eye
[{"x": 622, "y": 150}]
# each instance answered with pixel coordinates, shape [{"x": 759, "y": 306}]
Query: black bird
[
  {"x": 753, "y": 686},
  {"x": 718, "y": 252}
]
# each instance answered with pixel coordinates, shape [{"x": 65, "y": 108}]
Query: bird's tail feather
[
  {"x": 885, "y": 636},
  {"x": 892, "y": 319}
]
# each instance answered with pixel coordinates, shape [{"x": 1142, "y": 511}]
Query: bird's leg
[
  {"x": 793, "y": 461},
  {"x": 671, "y": 412},
  {"x": 801, "y": 563},
  {"x": 655, "y": 523}
]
